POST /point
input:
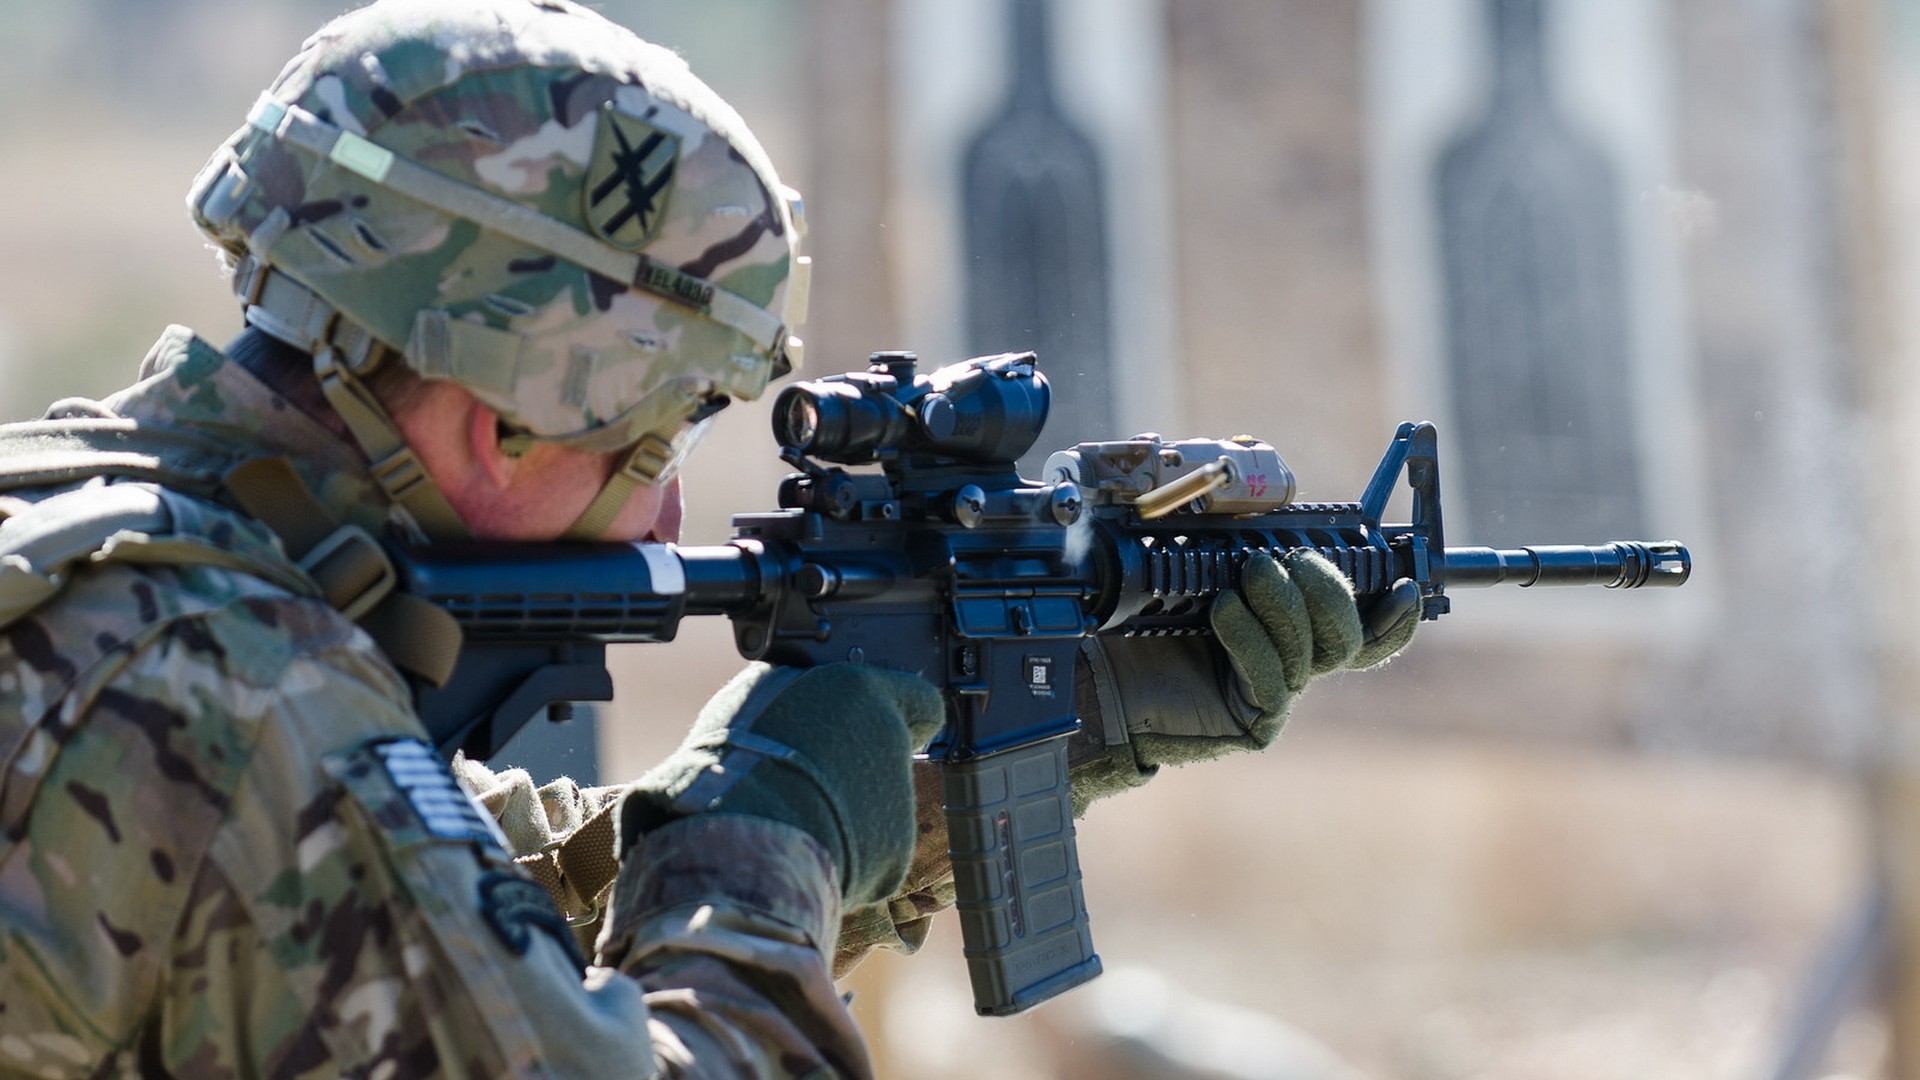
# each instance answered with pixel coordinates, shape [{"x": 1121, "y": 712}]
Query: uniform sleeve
[
  {"x": 108, "y": 800},
  {"x": 745, "y": 927},
  {"x": 725, "y": 921},
  {"x": 358, "y": 915},
  {"x": 542, "y": 822}
]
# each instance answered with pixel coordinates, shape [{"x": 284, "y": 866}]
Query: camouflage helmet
[{"x": 525, "y": 199}]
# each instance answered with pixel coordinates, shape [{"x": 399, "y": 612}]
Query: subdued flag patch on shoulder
[
  {"x": 629, "y": 178},
  {"x": 444, "y": 807}
]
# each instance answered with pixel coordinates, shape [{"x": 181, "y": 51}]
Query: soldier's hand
[
  {"x": 1170, "y": 701},
  {"x": 827, "y": 750}
]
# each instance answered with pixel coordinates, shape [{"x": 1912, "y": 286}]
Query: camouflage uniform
[{"x": 224, "y": 851}]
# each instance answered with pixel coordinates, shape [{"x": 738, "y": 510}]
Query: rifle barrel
[{"x": 1622, "y": 564}]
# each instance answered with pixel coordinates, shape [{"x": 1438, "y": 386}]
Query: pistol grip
[{"x": 1016, "y": 872}]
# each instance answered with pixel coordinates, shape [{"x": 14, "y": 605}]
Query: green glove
[
  {"x": 1169, "y": 701},
  {"x": 827, "y": 750}
]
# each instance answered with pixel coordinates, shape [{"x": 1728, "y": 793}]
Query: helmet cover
[{"x": 516, "y": 111}]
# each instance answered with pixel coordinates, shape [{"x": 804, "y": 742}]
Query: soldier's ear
[{"x": 483, "y": 429}]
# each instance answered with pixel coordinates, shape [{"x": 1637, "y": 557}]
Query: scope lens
[
  {"x": 799, "y": 421},
  {"x": 837, "y": 420}
]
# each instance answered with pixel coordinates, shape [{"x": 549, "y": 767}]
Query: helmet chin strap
[
  {"x": 396, "y": 468},
  {"x": 342, "y": 352},
  {"x": 644, "y": 464}
]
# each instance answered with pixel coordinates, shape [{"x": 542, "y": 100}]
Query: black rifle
[{"x": 945, "y": 562}]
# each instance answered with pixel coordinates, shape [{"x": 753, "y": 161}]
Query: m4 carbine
[{"x": 946, "y": 563}]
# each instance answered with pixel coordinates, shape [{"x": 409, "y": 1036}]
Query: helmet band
[{"x": 297, "y": 127}]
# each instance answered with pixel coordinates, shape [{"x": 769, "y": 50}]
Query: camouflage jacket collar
[{"x": 185, "y": 382}]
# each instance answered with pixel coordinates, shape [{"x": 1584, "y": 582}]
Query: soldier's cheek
[{"x": 653, "y": 514}]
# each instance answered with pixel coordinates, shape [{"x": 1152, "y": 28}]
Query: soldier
[{"x": 499, "y": 262}]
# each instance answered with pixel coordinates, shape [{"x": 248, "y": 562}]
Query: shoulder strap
[
  {"x": 42, "y": 540},
  {"x": 43, "y": 537},
  {"x": 352, "y": 569},
  {"x": 48, "y": 453}
]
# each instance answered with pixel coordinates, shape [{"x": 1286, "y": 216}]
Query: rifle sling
[
  {"x": 578, "y": 870},
  {"x": 353, "y": 571}
]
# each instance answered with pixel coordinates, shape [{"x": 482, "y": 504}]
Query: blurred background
[{"x": 1647, "y": 265}]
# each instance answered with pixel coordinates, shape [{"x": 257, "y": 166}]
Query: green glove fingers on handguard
[
  {"x": 1170, "y": 701},
  {"x": 1388, "y": 625},
  {"x": 827, "y": 750},
  {"x": 1285, "y": 626}
]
